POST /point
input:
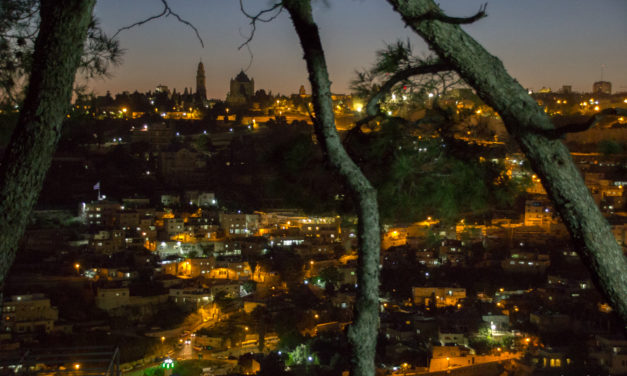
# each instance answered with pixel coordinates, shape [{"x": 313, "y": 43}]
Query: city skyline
[
  {"x": 561, "y": 43},
  {"x": 421, "y": 232}
]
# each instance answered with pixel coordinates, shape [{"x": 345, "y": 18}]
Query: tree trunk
[
  {"x": 527, "y": 123},
  {"x": 362, "y": 334},
  {"x": 57, "y": 53}
]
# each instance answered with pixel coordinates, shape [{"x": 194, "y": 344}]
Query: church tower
[{"x": 201, "y": 91}]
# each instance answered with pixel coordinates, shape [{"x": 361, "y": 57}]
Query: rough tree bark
[
  {"x": 58, "y": 49},
  {"x": 532, "y": 129},
  {"x": 362, "y": 334}
]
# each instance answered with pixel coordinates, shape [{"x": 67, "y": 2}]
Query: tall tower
[{"x": 201, "y": 90}]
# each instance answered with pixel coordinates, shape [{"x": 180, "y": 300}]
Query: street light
[{"x": 77, "y": 266}]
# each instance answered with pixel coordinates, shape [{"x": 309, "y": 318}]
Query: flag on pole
[{"x": 97, "y": 186}]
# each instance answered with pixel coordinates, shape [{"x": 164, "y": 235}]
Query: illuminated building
[
  {"x": 444, "y": 296},
  {"x": 242, "y": 90},
  {"x": 28, "y": 314},
  {"x": 602, "y": 87}
]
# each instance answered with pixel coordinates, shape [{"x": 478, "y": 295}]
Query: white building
[
  {"x": 112, "y": 298},
  {"x": 28, "y": 314},
  {"x": 239, "y": 224}
]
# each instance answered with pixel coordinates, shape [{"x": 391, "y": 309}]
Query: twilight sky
[{"x": 541, "y": 42}]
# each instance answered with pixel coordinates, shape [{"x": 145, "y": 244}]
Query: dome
[{"x": 242, "y": 77}]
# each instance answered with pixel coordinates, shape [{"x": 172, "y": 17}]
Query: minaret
[{"x": 201, "y": 91}]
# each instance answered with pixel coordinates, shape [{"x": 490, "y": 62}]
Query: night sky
[{"x": 541, "y": 42}]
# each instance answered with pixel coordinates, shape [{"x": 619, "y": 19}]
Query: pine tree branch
[
  {"x": 167, "y": 11},
  {"x": 581, "y": 127},
  {"x": 20, "y": 29},
  {"x": 372, "y": 108},
  {"x": 549, "y": 158}
]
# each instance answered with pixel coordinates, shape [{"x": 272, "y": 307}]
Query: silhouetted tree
[
  {"x": 362, "y": 333},
  {"x": 537, "y": 136},
  {"x": 57, "y": 55}
]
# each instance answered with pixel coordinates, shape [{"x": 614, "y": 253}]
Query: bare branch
[
  {"x": 581, "y": 127},
  {"x": 139, "y": 23},
  {"x": 251, "y": 56},
  {"x": 188, "y": 24},
  {"x": 259, "y": 17},
  {"x": 167, "y": 11},
  {"x": 436, "y": 15}
]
